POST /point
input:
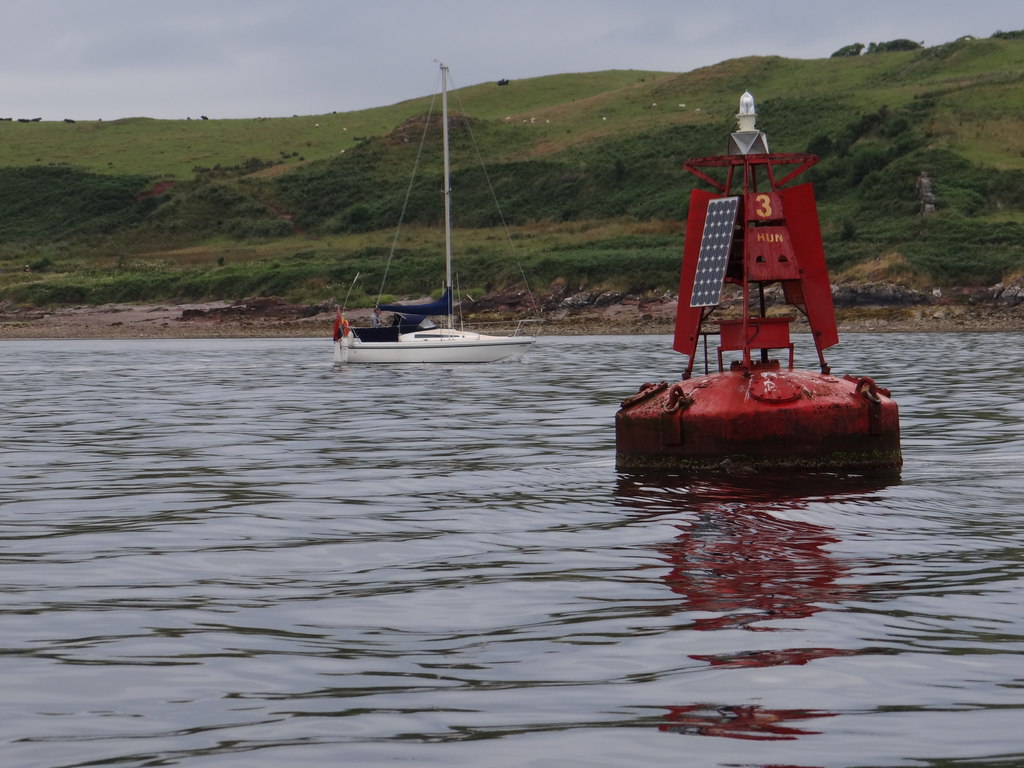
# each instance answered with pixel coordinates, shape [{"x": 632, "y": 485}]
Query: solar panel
[{"x": 715, "y": 244}]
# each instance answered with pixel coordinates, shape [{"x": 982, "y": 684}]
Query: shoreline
[{"x": 216, "y": 320}]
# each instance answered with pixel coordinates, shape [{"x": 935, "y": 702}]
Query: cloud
[{"x": 234, "y": 58}]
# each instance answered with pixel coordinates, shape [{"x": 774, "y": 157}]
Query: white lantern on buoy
[
  {"x": 747, "y": 140},
  {"x": 747, "y": 115}
]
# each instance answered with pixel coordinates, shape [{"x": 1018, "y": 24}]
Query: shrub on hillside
[
  {"x": 902, "y": 44},
  {"x": 46, "y": 204},
  {"x": 853, "y": 49}
]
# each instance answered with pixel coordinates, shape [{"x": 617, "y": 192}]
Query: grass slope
[{"x": 586, "y": 169}]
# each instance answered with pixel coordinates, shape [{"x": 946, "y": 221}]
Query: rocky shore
[{"x": 858, "y": 309}]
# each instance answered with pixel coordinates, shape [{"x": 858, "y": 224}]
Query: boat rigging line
[
  {"x": 497, "y": 205},
  {"x": 408, "y": 195}
]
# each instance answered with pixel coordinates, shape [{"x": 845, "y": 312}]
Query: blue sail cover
[{"x": 442, "y": 306}]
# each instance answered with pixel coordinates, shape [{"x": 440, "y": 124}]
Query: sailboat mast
[{"x": 447, "y": 182}]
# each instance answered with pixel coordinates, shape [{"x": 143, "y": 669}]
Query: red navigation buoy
[{"x": 755, "y": 413}]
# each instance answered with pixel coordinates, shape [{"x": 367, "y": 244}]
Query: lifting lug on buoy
[{"x": 676, "y": 399}]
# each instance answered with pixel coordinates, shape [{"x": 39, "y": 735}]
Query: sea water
[{"x": 229, "y": 553}]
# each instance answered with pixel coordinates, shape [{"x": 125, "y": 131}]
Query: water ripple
[{"x": 227, "y": 553}]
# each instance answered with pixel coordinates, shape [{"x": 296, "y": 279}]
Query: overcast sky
[{"x": 106, "y": 59}]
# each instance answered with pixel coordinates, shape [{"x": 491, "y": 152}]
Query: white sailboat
[{"x": 415, "y": 338}]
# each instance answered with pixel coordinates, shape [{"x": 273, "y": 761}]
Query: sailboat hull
[{"x": 435, "y": 347}]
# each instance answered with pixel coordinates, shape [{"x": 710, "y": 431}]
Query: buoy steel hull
[{"x": 766, "y": 419}]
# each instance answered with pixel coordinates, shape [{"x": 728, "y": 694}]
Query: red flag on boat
[{"x": 341, "y": 327}]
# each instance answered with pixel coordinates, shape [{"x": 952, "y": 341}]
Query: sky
[{"x": 108, "y": 59}]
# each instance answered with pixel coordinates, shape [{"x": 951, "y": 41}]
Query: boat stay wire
[
  {"x": 408, "y": 195},
  {"x": 497, "y": 205}
]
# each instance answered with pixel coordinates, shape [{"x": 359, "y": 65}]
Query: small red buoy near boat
[{"x": 754, "y": 412}]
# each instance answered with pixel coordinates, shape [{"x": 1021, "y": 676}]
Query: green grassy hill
[{"x": 586, "y": 169}]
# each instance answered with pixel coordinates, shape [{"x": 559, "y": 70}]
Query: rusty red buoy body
[
  {"x": 765, "y": 419},
  {"x": 756, "y": 413}
]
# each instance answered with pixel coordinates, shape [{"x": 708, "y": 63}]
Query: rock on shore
[{"x": 862, "y": 307}]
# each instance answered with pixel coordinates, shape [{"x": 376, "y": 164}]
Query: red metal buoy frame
[{"x": 753, "y": 231}]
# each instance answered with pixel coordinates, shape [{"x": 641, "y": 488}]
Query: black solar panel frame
[{"x": 715, "y": 246}]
